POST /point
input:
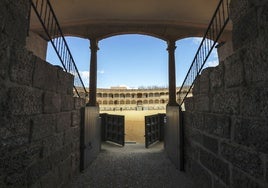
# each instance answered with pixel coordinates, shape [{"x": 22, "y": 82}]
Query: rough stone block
[
  {"x": 15, "y": 162},
  {"x": 76, "y": 118},
  {"x": 24, "y": 101},
  {"x": 37, "y": 170},
  {"x": 187, "y": 119},
  {"x": 12, "y": 126},
  {"x": 64, "y": 121},
  {"x": 79, "y": 103},
  {"x": 14, "y": 18},
  {"x": 65, "y": 82},
  {"x": 68, "y": 136},
  {"x": 75, "y": 161},
  {"x": 254, "y": 101},
  {"x": 65, "y": 170},
  {"x": 226, "y": 102},
  {"x": 266, "y": 178},
  {"x": 238, "y": 9},
  {"x": 52, "y": 144},
  {"x": 256, "y": 62},
  {"x": 191, "y": 150},
  {"x": 5, "y": 55},
  {"x": 249, "y": 18},
  {"x": 201, "y": 177},
  {"x": 245, "y": 160},
  {"x": 198, "y": 121},
  {"x": 234, "y": 71},
  {"x": 16, "y": 179},
  {"x": 218, "y": 125},
  {"x": 204, "y": 80},
  {"x": 202, "y": 103},
  {"x": 210, "y": 143},
  {"x": 52, "y": 102},
  {"x": 218, "y": 184},
  {"x": 13, "y": 143},
  {"x": 225, "y": 49},
  {"x": 189, "y": 104},
  {"x": 240, "y": 179},
  {"x": 76, "y": 145},
  {"x": 3, "y": 98},
  {"x": 49, "y": 180},
  {"x": 196, "y": 86},
  {"x": 43, "y": 126},
  {"x": 45, "y": 76},
  {"x": 252, "y": 133},
  {"x": 216, "y": 77},
  {"x": 67, "y": 102},
  {"x": 21, "y": 67},
  {"x": 216, "y": 166},
  {"x": 56, "y": 157},
  {"x": 245, "y": 29},
  {"x": 195, "y": 136}
]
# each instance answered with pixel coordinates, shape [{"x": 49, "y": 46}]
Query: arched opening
[
  {"x": 139, "y": 103},
  {"x": 122, "y": 67},
  {"x": 139, "y": 95}
]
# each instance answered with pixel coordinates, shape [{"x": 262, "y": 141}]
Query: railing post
[
  {"x": 172, "y": 73},
  {"x": 93, "y": 73}
]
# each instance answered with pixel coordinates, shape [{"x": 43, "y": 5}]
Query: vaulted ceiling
[{"x": 166, "y": 19}]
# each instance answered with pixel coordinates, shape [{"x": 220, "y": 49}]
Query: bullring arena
[{"x": 134, "y": 104}]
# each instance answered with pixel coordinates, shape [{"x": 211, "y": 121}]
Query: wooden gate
[
  {"x": 154, "y": 128},
  {"x": 113, "y": 128}
]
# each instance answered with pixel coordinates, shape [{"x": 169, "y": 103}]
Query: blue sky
[{"x": 133, "y": 60}]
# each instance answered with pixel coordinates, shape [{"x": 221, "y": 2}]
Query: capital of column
[
  {"x": 94, "y": 45},
  {"x": 171, "y": 46}
]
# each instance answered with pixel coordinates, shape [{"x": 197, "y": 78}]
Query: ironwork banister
[
  {"x": 215, "y": 28},
  {"x": 51, "y": 26}
]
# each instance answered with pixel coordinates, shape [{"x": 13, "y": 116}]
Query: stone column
[
  {"x": 93, "y": 73},
  {"x": 172, "y": 73}
]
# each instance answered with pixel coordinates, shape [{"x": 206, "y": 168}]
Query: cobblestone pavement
[{"x": 131, "y": 166}]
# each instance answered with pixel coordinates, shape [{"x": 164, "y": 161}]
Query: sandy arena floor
[{"x": 134, "y": 123}]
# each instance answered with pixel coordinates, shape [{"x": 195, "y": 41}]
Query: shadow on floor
[{"x": 131, "y": 166}]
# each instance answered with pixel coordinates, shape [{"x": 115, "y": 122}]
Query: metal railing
[
  {"x": 48, "y": 19},
  {"x": 216, "y": 27}
]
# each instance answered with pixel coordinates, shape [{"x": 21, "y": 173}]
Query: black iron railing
[
  {"x": 216, "y": 27},
  {"x": 48, "y": 19}
]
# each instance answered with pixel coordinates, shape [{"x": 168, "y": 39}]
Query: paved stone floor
[{"x": 131, "y": 166}]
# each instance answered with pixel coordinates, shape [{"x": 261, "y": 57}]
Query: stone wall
[
  {"x": 225, "y": 123},
  {"x": 37, "y": 45},
  {"x": 39, "y": 118}
]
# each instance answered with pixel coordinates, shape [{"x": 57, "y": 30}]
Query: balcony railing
[
  {"x": 216, "y": 27},
  {"x": 51, "y": 26}
]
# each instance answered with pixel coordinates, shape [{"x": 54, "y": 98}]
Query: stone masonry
[
  {"x": 39, "y": 118},
  {"x": 225, "y": 123}
]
